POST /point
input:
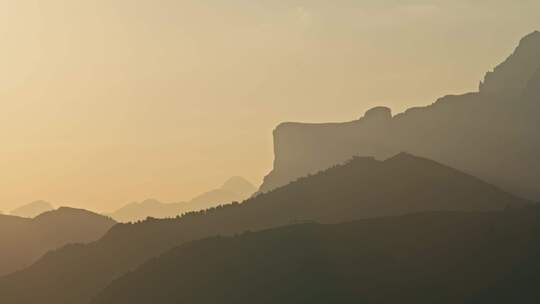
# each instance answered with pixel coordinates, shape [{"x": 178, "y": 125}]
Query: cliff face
[
  {"x": 492, "y": 134},
  {"x": 513, "y": 75}
]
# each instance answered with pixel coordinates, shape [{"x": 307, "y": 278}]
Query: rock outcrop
[
  {"x": 513, "y": 75},
  {"x": 492, "y": 133}
]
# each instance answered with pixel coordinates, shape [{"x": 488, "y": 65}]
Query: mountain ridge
[
  {"x": 361, "y": 188},
  {"x": 24, "y": 240},
  {"x": 491, "y": 133},
  {"x": 234, "y": 189},
  {"x": 33, "y": 209},
  {"x": 415, "y": 258}
]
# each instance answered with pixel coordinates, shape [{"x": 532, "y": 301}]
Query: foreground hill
[
  {"x": 445, "y": 257},
  {"x": 23, "y": 240},
  {"x": 491, "y": 134},
  {"x": 234, "y": 189},
  {"x": 32, "y": 210},
  {"x": 361, "y": 188}
]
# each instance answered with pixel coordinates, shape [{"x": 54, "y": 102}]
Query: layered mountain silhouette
[
  {"x": 441, "y": 257},
  {"x": 233, "y": 190},
  {"x": 33, "y": 209},
  {"x": 361, "y": 188},
  {"x": 491, "y": 134},
  {"x": 24, "y": 240}
]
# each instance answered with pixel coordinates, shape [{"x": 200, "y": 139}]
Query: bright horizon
[{"x": 109, "y": 102}]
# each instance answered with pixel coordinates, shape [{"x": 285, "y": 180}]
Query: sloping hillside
[
  {"x": 445, "y": 257},
  {"x": 362, "y": 188},
  {"x": 24, "y": 240}
]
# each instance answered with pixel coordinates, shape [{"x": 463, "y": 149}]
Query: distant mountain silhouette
[
  {"x": 148, "y": 208},
  {"x": 444, "y": 257},
  {"x": 234, "y": 189},
  {"x": 24, "y": 240},
  {"x": 361, "y": 188},
  {"x": 240, "y": 186},
  {"x": 491, "y": 134},
  {"x": 33, "y": 209}
]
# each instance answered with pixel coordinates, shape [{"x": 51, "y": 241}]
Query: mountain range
[
  {"x": 491, "y": 133},
  {"x": 435, "y": 257},
  {"x": 32, "y": 210},
  {"x": 233, "y": 190},
  {"x": 361, "y": 188},
  {"x": 344, "y": 217},
  {"x": 24, "y": 240}
]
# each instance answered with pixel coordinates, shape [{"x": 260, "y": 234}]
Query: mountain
[
  {"x": 361, "y": 188},
  {"x": 148, "y": 208},
  {"x": 233, "y": 190},
  {"x": 441, "y": 257},
  {"x": 32, "y": 210},
  {"x": 240, "y": 186},
  {"x": 24, "y": 240},
  {"x": 491, "y": 134}
]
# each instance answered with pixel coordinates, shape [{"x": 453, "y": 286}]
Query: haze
[{"x": 107, "y": 102}]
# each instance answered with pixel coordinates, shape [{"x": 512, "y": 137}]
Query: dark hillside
[
  {"x": 362, "y": 188},
  {"x": 445, "y": 257}
]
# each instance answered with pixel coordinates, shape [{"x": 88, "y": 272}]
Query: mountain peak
[
  {"x": 239, "y": 185},
  {"x": 513, "y": 75},
  {"x": 151, "y": 202},
  {"x": 32, "y": 209},
  {"x": 67, "y": 212},
  {"x": 403, "y": 156},
  {"x": 25, "y": 240},
  {"x": 533, "y": 37}
]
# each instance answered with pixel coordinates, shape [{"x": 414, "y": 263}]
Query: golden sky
[{"x": 105, "y": 102}]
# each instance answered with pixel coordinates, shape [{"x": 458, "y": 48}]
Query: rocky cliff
[{"x": 492, "y": 133}]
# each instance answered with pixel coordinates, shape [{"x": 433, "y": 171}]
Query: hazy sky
[{"x": 105, "y": 102}]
